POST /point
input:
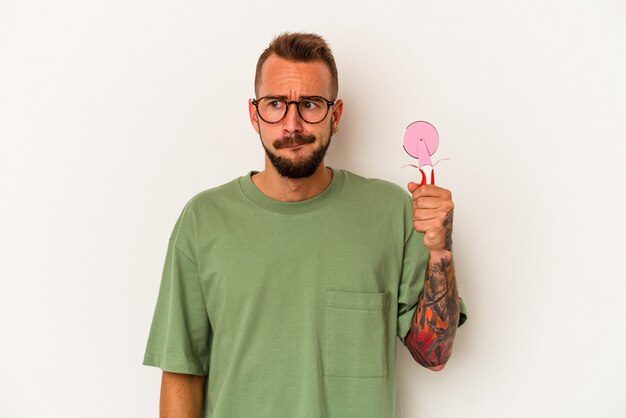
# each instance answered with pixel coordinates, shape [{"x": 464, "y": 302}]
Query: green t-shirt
[{"x": 290, "y": 308}]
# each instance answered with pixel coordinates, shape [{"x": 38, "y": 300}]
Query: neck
[{"x": 284, "y": 189}]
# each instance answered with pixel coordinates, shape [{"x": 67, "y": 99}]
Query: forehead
[{"x": 289, "y": 78}]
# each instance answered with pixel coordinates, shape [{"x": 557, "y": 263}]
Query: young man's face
[{"x": 294, "y": 147}]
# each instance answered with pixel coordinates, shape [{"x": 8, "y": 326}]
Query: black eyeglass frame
[{"x": 329, "y": 103}]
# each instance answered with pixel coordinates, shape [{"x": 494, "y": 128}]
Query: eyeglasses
[{"x": 312, "y": 109}]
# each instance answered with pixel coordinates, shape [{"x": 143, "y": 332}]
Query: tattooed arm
[{"x": 436, "y": 319}]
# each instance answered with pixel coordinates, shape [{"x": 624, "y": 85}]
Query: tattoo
[
  {"x": 447, "y": 224},
  {"x": 436, "y": 319}
]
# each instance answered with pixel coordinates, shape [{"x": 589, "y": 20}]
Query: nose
[{"x": 292, "y": 122}]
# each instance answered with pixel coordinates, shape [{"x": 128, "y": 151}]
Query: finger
[
  {"x": 427, "y": 214},
  {"x": 421, "y": 226},
  {"x": 412, "y": 187},
  {"x": 426, "y": 202},
  {"x": 433, "y": 234},
  {"x": 442, "y": 206},
  {"x": 432, "y": 191}
]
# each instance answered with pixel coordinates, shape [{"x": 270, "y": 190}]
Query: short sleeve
[
  {"x": 414, "y": 263},
  {"x": 180, "y": 335}
]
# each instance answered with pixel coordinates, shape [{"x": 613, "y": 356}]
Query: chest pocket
[{"x": 356, "y": 334}]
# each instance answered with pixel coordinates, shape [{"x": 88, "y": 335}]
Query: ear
[
  {"x": 254, "y": 118},
  {"x": 336, "y": 114}
]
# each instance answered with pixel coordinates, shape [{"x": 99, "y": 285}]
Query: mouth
[
  {"x": 293, "y": 142},
  {"x": 293, "y": 147}
]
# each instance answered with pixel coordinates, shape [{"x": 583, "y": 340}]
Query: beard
[{"x": 301, "y": 168}]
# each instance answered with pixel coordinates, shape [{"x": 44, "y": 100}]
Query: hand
[{"x": 432, "y": 214}]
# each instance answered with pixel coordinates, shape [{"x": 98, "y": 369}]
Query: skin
[
  {"x": 293, "y": 80},
  {"x": 435, "y": 322},
  {"x": 182, "y": 395}
]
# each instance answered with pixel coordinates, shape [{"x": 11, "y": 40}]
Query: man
[{"x": 283, "y": 290}]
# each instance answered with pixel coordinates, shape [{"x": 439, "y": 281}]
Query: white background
[{"x": 114, "y": 113}]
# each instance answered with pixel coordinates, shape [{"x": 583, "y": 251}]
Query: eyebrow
[{"x": 286, "y": 98}]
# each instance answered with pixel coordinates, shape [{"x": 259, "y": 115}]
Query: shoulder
[
  {"x": 206, "y": 202},
  {"x": 381, "y": 189},
  {"x": 218, "y": 195}
]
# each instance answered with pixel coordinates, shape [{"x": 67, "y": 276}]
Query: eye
[
  {"x": 272, "y": 104},
  {"x": 308, "y": 105}
]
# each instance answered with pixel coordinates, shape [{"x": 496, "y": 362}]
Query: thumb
[{"x": 412, "y": 186}]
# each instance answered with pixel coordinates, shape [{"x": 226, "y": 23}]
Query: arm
[
  {"x": 436, "y": 319},
  {"x": 182, "y": 395}
]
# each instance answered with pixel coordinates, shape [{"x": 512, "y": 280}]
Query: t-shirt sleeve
[
  {"x": 414, "y": 264},
  {"x": 180, "y": 334}
]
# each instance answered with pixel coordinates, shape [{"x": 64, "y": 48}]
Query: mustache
[{"x": 293, "y": 140}]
